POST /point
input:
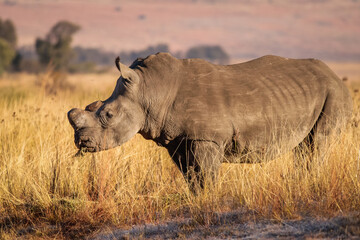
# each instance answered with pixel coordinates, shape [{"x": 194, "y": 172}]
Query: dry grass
[{"x": 48, "y": 193}]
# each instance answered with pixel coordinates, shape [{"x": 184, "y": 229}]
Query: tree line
[{"x": 55, "y": 50}]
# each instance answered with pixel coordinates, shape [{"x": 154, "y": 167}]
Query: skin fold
[{"x": 205, "y": 114}]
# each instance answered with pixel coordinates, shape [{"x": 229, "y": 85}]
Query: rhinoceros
[{"x": 205, "y": 114}]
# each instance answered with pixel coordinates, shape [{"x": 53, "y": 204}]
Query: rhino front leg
[
  {"x": 207, "y": 156},
  {"x": 199, "y": 161}
]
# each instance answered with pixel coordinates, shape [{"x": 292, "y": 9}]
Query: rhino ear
[{"x": 125, "y": 71}]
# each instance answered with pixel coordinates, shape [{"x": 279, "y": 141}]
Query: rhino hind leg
[
  {"x": 304, "y": 152},
  {"x": 336, "y": 112},
  {"x": 199, "y": 162}
]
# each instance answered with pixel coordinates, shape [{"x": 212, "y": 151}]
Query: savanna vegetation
[
  {"x": 47, "y": 192},
  {"x": 55, "y": 50}
]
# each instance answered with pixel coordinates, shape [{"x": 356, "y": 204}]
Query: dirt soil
[{"x": 234, "y": 226}]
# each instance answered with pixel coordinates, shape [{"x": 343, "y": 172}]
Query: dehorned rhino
[{"x": 205, "y": 114}]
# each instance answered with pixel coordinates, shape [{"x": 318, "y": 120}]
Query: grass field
[{"x": 46, "y": 192}]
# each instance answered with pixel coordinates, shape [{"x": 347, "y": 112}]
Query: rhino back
[{"x": 251, "y": 103}]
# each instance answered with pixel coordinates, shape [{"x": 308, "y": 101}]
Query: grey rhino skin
[{"x": 205, "y": 114}]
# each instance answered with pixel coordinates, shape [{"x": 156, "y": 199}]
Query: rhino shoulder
[
  {"x": 159, "y": 57},
  {"x": 157, "y": 64},
  {"x": 270, "y": 58}
]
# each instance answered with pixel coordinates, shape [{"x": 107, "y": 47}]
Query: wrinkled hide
[{"x": 205, "y": 114}]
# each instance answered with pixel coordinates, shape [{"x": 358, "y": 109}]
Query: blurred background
[
  {"x": 59, "y": 54},
  {"x": 86, "y": 36}
]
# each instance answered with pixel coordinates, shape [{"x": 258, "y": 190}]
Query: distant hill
[{"x": 326, "y": 29}]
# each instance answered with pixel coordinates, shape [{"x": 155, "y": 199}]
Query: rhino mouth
[{"x": 85, "y": 143}]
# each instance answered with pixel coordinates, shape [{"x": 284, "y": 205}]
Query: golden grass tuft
[{"x": 43, "y": 184}]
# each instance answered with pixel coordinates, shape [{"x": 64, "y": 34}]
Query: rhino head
[{"x": 107, "y": 124}]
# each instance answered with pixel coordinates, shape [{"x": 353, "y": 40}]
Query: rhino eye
[{"x": 109, "y": 114}]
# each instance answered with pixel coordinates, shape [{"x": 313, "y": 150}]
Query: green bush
[
  {"x": 7, "y": 53},
  {"x": 56, "y": 48},
  {"x": 8, "y": 32}
]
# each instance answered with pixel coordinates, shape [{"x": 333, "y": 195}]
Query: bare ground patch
[{"x": 238, "y": 225}]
